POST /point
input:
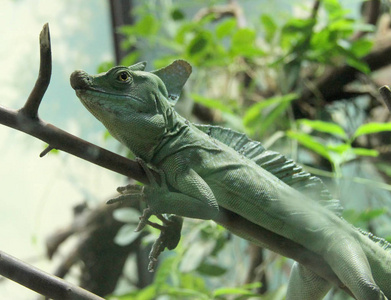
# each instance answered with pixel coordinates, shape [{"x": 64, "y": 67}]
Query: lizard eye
[{"x": 124, "y": 77}]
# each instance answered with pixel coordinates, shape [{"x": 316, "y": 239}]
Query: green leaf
[
  {"x": 269, "y": 26},
  {"x": 182, "y": 293},
  {"x": 148, "y": 25},
  {"x": 352, "y": 59},
  {"x": 254, "y": 112},
  {"x": 309, "y": 142},
  {"x": 199, "y": 43},
  {"x": 371, "y": 214},
  {"x": 363, "y": 217},
  {"x": 105, "y": 66},
  {"x": 126, "y": 215},
  {"x": 339, "y": 148},
  {"x": 358, "y": 64},
  {"x": 167, "y": 268},
  {"x": 211, "y": 103},
  {"x": 211, "y": 269},
  {"x": 185, "y": 30},
  {"x": 131, "y": 58},
  {"x": 334, "y": 9},
  {"x": 244, "y": 36},
  {"x": 361, "y": 47},
  {"x": 372, "y": 128},
  {"x": 296, "y": 25},
  {"x": 196, "y": 254},
  {"x": 225, "y": 28},
  {"x": 126, "y": 235},
  {"x": 192, "y": 281},
  {"x": 342, "y": 26},
  {"x": 386, "y": 168},
  {"x": 272, "y": 116},
  {"x": 177, "y": 14},
  {"x": 233, "y": 291},
  {"x": 52, "y": 151},
  {"x": 147, "y": 293},
  {"x": 243, "y": 43},
  {"x": 365, "y": 152},
  {"x": 326, "y": 127}
]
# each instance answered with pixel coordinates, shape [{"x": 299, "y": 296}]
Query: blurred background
[{"x": 302, "y": 77}]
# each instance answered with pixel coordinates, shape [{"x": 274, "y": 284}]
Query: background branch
[
  {"x": 41, "y": 282},
  {"x": 385, "y": 92},
  {"x": 331, "y": 84}
]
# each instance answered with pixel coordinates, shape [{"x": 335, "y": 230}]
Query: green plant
[{"x": 340, "y": 149}]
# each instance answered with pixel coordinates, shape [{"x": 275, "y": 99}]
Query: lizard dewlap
[{"x": 205, "y": 169}]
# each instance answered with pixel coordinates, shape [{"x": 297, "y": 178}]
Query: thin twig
[{"x": 45, "y": 72}]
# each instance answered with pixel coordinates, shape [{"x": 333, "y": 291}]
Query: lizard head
[{"x": 131, "y": 103}]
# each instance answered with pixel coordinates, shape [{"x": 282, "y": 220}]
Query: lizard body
[{"x": 206, "y": 168}]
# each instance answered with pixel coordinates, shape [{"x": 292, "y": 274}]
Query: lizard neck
[
  {"x": 150, "y": 140},
  {"x": 177, "y": 130}
]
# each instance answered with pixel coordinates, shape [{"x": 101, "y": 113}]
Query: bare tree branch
[
  {"x": 62, "y": 140},
  {"x": 370, "y": 11},
  {"x": 232, "y": 9},
  {"x": 41, "y": 282}
]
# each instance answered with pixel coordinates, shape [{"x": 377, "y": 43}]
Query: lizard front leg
[
  {"x": 196, "y": 201},
  {"x": 188, "y": 195}
]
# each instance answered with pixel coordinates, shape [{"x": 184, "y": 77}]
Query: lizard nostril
[{"x": 80, "y": 80}]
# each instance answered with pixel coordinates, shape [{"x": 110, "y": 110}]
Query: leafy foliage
[
  {"x": 341, "y": 150},
  {"x": 251, "y": 76}
]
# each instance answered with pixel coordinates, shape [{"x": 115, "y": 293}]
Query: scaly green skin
[{"x": 137, "y": 109}]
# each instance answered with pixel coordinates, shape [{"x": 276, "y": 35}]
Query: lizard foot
[
  {"x": 170, "y": 234},
  {"x": 134, "y": 192},
  {"x": 144, "y": 219},
  {"x": 131, "y": 192}
]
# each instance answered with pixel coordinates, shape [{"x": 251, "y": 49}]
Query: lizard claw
[
  {"x": 170, "y": 234},
  {"x": 147, "y": 213},
  {"x": 131, "y": 192},
  {"x": 130, "y": 189}
]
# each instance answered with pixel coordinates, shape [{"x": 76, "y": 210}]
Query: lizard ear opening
[
  {"x": 174, "y": 77},
  {"x": 139, "y": 66}
]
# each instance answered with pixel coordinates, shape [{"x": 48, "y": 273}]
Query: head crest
[
  {"x": 139, "y": 66},
  {"x": 174, "y": 76}
]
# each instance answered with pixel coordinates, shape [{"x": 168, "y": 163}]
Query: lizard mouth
[{"x": 92, "y": 98}]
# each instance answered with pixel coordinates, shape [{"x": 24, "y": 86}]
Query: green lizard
[{"x": 206, "y": 169}]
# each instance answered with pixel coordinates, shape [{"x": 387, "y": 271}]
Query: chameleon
[{"x": 205, "y": 170}]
